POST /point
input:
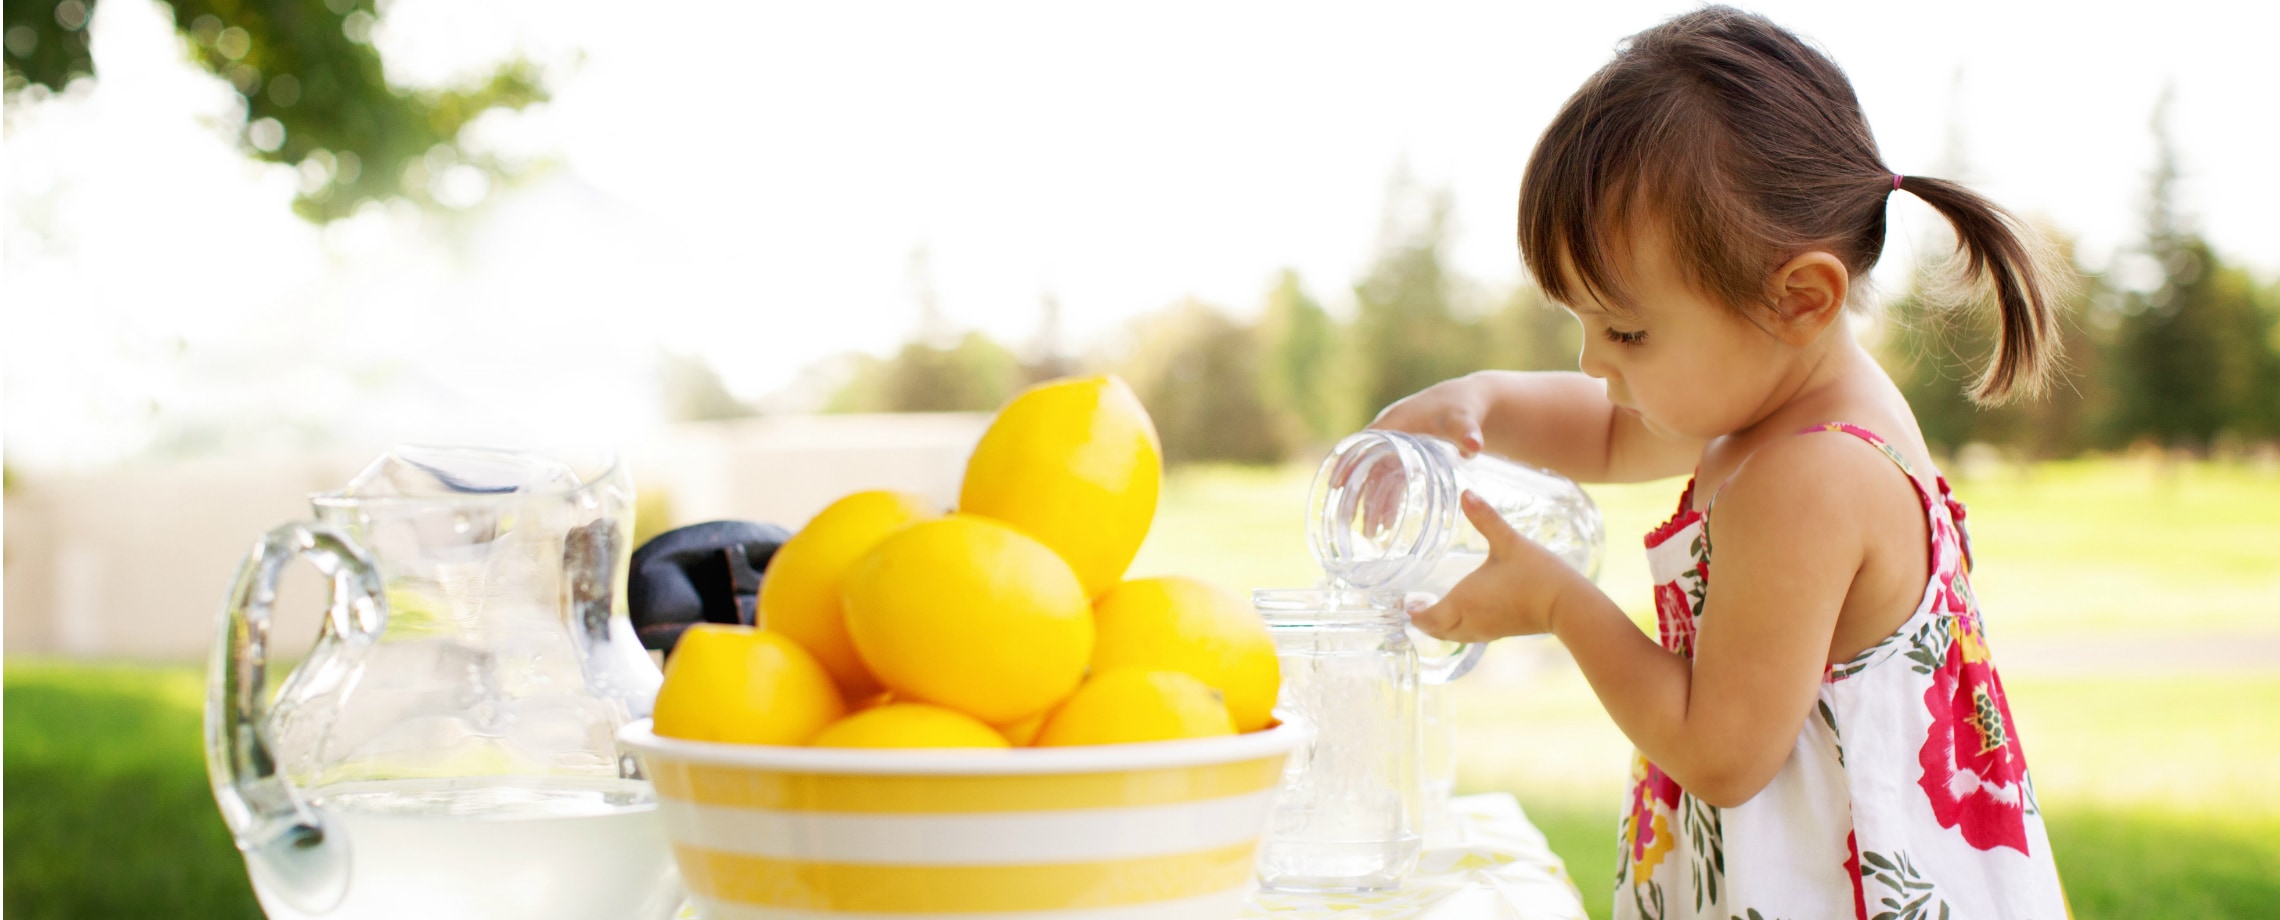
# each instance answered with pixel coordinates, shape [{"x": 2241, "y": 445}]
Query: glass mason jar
[
  {"x": 447, "y": 749},
  {"x": 1384, "y": 512},
  {"x": 1351, "y": 810}
]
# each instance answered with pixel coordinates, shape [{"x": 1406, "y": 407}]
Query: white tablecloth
[{"x": 1491, "y": 865}]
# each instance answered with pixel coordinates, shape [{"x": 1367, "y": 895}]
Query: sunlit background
[
  {"x": 744, "y": 242},
  {"x": 760, "y": 187}
]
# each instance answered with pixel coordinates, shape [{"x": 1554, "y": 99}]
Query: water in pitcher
[{"x": 481, "y": 849}]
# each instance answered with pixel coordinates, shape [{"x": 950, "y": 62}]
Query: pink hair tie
[{"x": 1895, "y": 182}]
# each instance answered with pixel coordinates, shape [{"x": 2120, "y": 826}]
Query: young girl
[{"x": 1821, "y": 731}]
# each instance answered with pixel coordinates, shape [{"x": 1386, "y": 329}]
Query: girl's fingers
[
  {"x": 1490, "y": 524},
  {"x": 1433, "y": 620},
  {"x": 1468, "y": 439}
]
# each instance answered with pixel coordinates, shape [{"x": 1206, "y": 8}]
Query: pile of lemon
[{"x": 1008, "y": 622}]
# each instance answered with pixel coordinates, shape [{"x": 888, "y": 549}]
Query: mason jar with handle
[
  {"x": 1384, "y": 512},
  {"x": 447, "y": 749},
  {"x": 1351, "y": 811}
]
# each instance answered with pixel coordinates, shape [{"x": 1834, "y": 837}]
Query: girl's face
[{"x": 1687, "y": 366}]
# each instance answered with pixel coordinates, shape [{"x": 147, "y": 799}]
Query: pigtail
[{"x": 2003, "y": 254}]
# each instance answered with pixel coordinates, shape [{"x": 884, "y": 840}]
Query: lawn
[
  {"x": 108, "y": 811},
  {"x": 2154, "y": 779}
]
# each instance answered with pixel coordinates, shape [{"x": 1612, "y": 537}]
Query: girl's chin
[{"x": 1655, "y": 426}]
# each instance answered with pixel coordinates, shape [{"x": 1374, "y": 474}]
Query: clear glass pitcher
[
  {"x": 1351, "y": 811},
  {"x": 446, "y": 750},
  {"x": 1384, "y": 512}
]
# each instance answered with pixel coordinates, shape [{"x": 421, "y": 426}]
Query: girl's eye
[{"x": 1620, "y": 337}]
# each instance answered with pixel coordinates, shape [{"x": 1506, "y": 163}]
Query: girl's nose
[{"x": 1594, "y": 364}]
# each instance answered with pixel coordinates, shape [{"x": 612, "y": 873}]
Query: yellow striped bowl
[{"x": 1152, "y": 831}]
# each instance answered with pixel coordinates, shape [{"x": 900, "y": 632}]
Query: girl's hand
[
  {"x": 1451, "y": 410},
  {"x": 1513, "y": 593}
]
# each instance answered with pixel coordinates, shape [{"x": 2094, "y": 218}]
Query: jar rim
[
  {"x": 1329, "y": 603},
  {"x": 1418, "y": 532}
]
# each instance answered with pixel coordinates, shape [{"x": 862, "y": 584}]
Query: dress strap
[{"x": 1869, "y": 436}]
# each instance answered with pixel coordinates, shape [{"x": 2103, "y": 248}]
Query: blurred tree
[
  {"x": 1530, "y": 333},
  {"x": 1047, "y": 356},
  {"x": 2249, "y": 364},
  {"x": 2268, "y": 306},
  {"x": 1307, "y": 379},
  {"x": 2192, "y": 357},
  {"x": 939, "y": 369},
  {"x": 973, "y": 374},
  {"x": 2064, "y": 421},
  {"x": 1199, "y": 373},
  {"x": 1408, "y": 331},
  {"x": 315, "y": 92},
  {"x": 693, "y": 391}
]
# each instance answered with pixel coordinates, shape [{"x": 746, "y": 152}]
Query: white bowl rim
[{"x": 1101, "y": 758}]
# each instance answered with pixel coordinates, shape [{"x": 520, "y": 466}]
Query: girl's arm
[
  {"x": 1788, "y": 541},
  {"x": 1559, "y": 420}
]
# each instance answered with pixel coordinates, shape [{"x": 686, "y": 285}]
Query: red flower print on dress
[
  {"x": 1852, "y": 870},
  {"x": 1974, "y": 771},
  {"x": 1647, "y": 834},
  {"x": 1674, "y": 619}
]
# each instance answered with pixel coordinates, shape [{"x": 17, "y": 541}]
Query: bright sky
[{"x": 748, "y": 182}]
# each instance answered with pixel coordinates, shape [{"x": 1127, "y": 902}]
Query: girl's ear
[{"x": 1809, "y": 294}]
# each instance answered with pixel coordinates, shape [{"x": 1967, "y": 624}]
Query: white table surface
[{"x": 1490, "y": 864}]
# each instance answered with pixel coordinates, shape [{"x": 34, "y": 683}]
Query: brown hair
[{"x": 1750, "y": 144}]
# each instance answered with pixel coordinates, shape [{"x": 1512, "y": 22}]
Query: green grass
[
  {"x": 2114, "y": 547},
  {"x": 108, "y": 809},
  {"x": 2156, "y": 785}
]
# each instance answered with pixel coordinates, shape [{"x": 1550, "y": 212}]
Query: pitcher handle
[
  {"x": 284, "y": 839},
  {"x": 1437, "y": 669},
  {"x": 1442, "y": 669}
]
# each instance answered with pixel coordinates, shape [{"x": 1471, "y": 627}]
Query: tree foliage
[
  {"x": 694, "y": 392},
  {"x": 315, "y": 93},
  {"x": 1408, "y": 328},
  {"x": 971, "y": 374},
  {"x": 2193, "y": 357},
  {"x": 1529, "y": 333},
  {"x": 1199, "y": 373},
  {"x": 1306, "y": 378}
]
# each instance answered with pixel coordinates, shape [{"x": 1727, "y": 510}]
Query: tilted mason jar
[{"x": 1384, "y": 513}]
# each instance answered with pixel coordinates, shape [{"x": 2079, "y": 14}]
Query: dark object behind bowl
[{"x": 702, "y": 573}]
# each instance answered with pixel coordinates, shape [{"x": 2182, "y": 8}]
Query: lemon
[
  {"x": 1024, "y": 732},
  {"x": 744, "y": 685},
  {"x": 1075, "y": 463},
  {"x": 909, "y": 725},
  {"x": 1185, "y": 624},
  {"x": 800, "y": 592},
  {"x": 972, "y": 614},
  {"x": 1137, "y": 704}
]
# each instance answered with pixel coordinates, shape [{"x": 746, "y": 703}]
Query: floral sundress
[{"x": 1905, "y": 797}]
